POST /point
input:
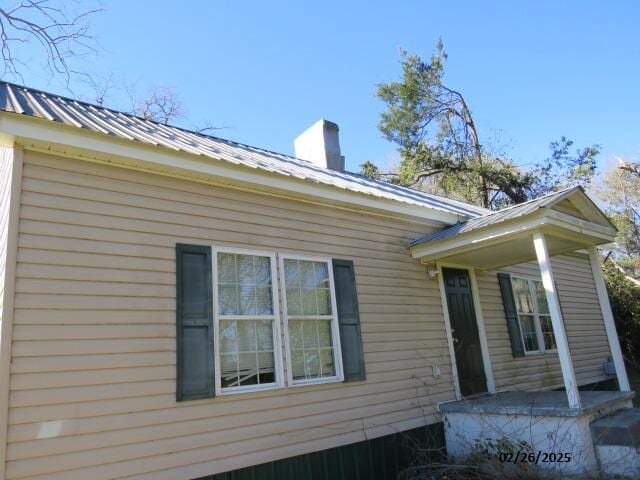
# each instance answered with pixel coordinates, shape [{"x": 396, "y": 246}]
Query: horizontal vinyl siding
[
  {"x": 583, "y": 321},
  {"x": 93, "y": 370}
]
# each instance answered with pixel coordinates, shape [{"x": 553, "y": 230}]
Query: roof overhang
[
  {"x": 509, "y": 242},
  {"x": 60, "y": 139}
]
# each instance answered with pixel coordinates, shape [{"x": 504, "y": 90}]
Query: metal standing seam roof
[
  {"x": 499, "y": 216},
  {"x": 35, "y": 103}
]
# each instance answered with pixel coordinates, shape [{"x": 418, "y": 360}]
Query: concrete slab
[
  {"x": 535, "y": 403},
  {"x": 538, "y": 426}
]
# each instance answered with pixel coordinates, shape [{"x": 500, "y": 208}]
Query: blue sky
[{"x": 530, "y": 72}]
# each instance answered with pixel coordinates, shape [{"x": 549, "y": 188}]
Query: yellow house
[{"x": 178, "y": 306}]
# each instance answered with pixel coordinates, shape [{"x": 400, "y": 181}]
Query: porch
[
  {"x": 538, "y": 232},
  {"x": 540, "y": 429}
]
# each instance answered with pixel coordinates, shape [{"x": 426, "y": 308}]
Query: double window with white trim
[
  {"x": 533, "y": 315},
  {"x": 248, "y": 321}
]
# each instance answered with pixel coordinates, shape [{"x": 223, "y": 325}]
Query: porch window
[
  {"x": 245, "y": 321},
  {"x": 311, "y": 320},
  {"x": 533, "y": 315}
]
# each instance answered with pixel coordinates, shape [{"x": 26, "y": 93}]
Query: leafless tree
[
  {"x": 59, "y": 27},
  {"x": 631, "y": 167},
  {"x": 162, "y": 105},
  {"x": 208, "y": 128}
]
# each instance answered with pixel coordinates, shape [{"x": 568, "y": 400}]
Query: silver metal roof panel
[{"x": 35, "y": 103}]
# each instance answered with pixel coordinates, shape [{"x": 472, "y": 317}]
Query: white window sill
[
  {"x": 539, "y": 352},
  {"x": 323, "y": 381},
  {"x": 248, "y": 389}
]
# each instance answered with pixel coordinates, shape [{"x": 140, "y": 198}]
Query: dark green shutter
[
  {"x": 509, "y": 304},
  {"x": 349, "y": 320},
  {"x": 194, "y": 322}
]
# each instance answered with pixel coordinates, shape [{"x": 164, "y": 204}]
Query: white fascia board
[
  {"x": 472, "y": 239},
  {"x": 147, "y": 157},
  {"x": 570, "y": 222},
  {"x": 576, "y": 228}
]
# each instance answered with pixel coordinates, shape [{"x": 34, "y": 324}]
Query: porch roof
[{"x": 569, "y": 218}]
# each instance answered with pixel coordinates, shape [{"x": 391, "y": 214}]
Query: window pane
[
  {"x": 244, "y": 284},
  {"x": 295, "y": 334},
  {"x": 324, "y": 301},
  {"x": 311, "y": 349},
  {"x": 307, "y": 287},
  {"x": 541, "y": 297},
  {"x": 309, "y": 301},
  {"x": 529, "y": 335},
  {"x": 227, "y": 273},
  {"x": 522, "y": 295},
  {"x": 309, "y": 334},
  {"x": 547, "y": 332},
  {"x": 324, "y": 333},
  {"x": 264, "y": 331},
  {"x": 266, "y": 368},
  {"x": 228, "y": 370},
  {"x": 321, "y": 275},
  {"x": 246, "y": 352},
  {"x": 326, "y": 362},
  {"x": 263, "y": 301},
  {"x": 312, "y": 363},
  {"x": 294, "y": 301},
  {"x": 306, "y": 275},
  {"x": 227, "y": 299},
  {"x": 247, "y": 299}
]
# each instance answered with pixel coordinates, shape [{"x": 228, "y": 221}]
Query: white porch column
[
  {"x": 607, "y": 317},
  {"x": 570, "y": 383}
]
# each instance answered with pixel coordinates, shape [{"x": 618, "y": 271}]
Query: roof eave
[
  {"x": 85, "y": 144},
  {"x": 589, "y": 232}
]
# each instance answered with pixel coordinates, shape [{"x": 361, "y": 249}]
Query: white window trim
[
  {"x": 536, "y": 316},
  {"x": 277, "y": 345},
  {"x": 335, "y": 328}
]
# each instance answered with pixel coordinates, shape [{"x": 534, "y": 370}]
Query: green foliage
[
  {"x": 369, "y": 170},
  {"x": 624, "y": 296},
  {"x": 432, "y": 127},
  {"x": 620, "y": 192},
  {"x": 563, "y": 170},
  {"x": 440, "y": 151}
]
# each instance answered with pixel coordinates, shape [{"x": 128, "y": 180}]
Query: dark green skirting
[{"x": 383, "y": 458}]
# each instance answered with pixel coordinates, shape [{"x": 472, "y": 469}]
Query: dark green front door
[{"x": 464, "y": 329}]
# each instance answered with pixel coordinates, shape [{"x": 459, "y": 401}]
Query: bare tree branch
[
  {"x": 61, "y": 33},
  {"x": 162, "y": 105}
]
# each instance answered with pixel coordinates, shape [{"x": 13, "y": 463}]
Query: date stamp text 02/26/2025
[{"x": 534, "y": 457}]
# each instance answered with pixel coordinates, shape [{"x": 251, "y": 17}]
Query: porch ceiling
[
  {"x": 510, "y": 251},
  {"x": 569, "y": 220}
]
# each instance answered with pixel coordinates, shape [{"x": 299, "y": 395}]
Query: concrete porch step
[
  {"x": 619, "y": 428},
  {"x": 616, "y": 438}
]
